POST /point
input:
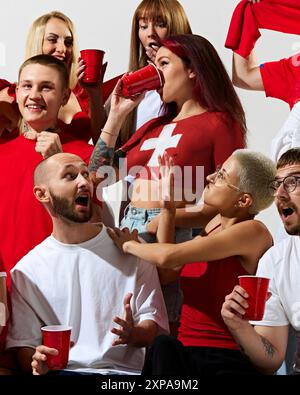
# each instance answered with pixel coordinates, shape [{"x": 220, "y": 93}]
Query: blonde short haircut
[
  {"x": 255, "y": 173},
  {"x": 35, "y": 38}
]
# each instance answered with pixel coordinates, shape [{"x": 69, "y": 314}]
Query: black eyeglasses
[{"x": 289, "y": 183}]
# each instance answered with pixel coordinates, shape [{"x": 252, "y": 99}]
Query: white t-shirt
[
  {"x": 288, "y": 136},
  {"x": 281, "y": 264},
  {"x": 149, "y": 108},
  {"x": 83, "y": 286}
]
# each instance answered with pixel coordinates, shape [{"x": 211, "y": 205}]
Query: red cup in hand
[
  {"x": 145, "y": 79},
  {"x": 257, "y": 289},
  {"x": 58, "y": 337},
  {"x": 93, "y": 59}
]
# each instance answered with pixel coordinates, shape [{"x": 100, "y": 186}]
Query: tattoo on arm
[
  {"x": 101, "y": 156},
  {"x": 269, "y": 348}
]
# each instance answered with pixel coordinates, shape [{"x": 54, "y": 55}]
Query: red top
[
  {"x": 24, "y": 221},
  {"x": 204, "y": 287},
  {"x": 205, "y": 140},
  {"x": 281, "y": 79},
  {"x": 80, "y": 126}
]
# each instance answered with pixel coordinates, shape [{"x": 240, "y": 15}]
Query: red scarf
[{"x": 247, "y": 19}]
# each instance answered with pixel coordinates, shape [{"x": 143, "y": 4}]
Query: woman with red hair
[{"x": 203, "y": 123}]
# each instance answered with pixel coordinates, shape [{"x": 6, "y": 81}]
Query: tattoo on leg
[{"x": 269, "y": 348}]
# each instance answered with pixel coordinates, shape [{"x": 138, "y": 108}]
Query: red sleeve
[{"x": 281, "y": 79}]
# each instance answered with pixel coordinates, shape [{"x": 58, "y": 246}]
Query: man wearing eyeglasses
[{"x": 265, "y": 343}]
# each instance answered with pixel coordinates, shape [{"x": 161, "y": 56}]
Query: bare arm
[
  {"x": 120, "y": 108},
  {"x": 166, "y": 234},
  {"x": 195, "y": 217},
  {"x": 246, "y": 72},
  {"x": 237, "y": 240},
  {"x": 264, "y": 346},
  {"x": 166, "y": 226},
  {"x": 188, "y": 217}
]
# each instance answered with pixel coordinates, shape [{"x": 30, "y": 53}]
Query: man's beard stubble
[{"x": 62, "y": 207}]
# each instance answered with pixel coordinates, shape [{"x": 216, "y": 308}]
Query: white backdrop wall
[{"x": 107, "y": 25}]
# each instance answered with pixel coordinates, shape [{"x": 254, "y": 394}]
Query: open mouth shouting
[
  {"x": 286, "y": 213},
  {"x": 83, "y": 200}
]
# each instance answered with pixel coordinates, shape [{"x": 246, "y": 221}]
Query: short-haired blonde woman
[{"x": 230, "y": 246}]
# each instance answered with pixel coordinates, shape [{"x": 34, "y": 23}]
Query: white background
[{"x": 107, "y": 25}]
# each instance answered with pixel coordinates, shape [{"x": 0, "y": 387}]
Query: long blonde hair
[
  {"x": 173, "y": 15},
  {"x": 35, "y": 38}
]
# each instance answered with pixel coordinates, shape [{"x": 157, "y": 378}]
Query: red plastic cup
[
  {"x": 57, "y": 336},
  {"x": 93, "y": 59},
  {"x": 145, "y": 79},
  {"x": 257, "y": 289}
]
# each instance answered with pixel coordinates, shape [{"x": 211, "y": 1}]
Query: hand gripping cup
[
  {"x": 57, "y": 336},
  {"x": 257, "y": 289},
  {"x": 93, "y": 59},
  {"x": 145, "y": 79}
]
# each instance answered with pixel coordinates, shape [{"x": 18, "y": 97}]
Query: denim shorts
[{"x": 138, "y": 218}]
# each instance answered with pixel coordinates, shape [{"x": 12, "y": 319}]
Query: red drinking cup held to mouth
[
  {"x": 257, "y": 289},
  {"x": 93, "y": 59},
  {"x": 58, "y": 337},
  {"x": 145, "y": 79}
]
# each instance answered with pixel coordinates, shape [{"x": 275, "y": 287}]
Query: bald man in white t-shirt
[{"x": 77, "y": 277}]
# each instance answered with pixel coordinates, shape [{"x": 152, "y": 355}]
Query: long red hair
[{"x": 213, "y": 88}]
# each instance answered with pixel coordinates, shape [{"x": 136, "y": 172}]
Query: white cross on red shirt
[{"x": 164, "y": 141}]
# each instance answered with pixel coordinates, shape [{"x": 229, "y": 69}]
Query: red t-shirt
[
  {"x": 80, "y": 125},
  {"x": 205, "y": 140},
  {"x": 281, "y": 79},
  {"x": 204, "y": 287},
  {"x": 24, "y": 221}
]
